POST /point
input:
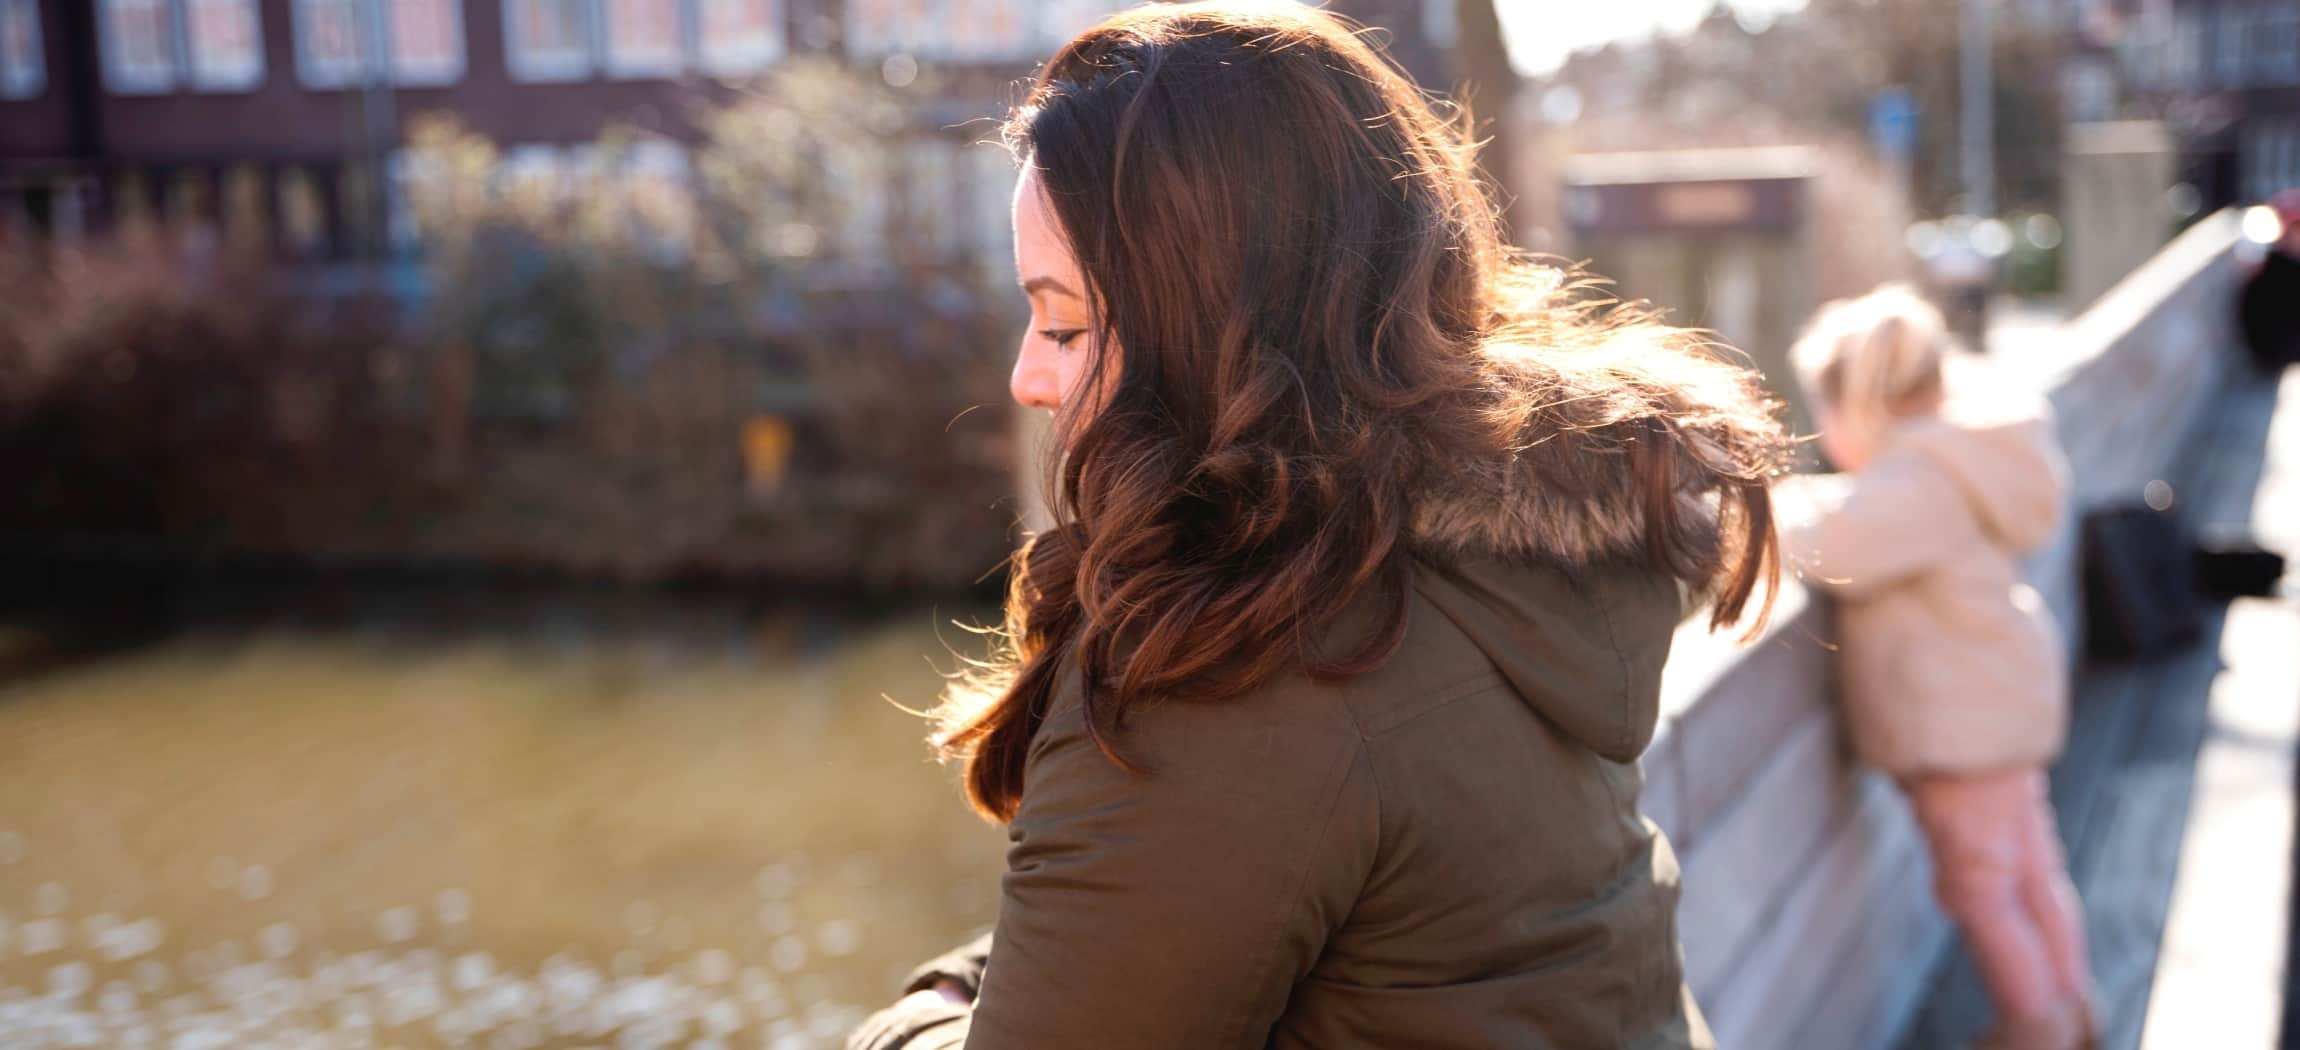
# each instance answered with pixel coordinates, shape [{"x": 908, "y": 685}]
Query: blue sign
[{"x": 1893, "y": 123}]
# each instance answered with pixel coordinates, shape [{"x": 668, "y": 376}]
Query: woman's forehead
[
  {"x": 1033, "y": 216},
  {"x": 1041, "y": 254}
]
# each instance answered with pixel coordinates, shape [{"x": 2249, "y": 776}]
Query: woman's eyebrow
[{"x": 1049, "y": 283}]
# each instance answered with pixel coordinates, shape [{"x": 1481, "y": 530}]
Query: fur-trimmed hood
[
  {"x": 1570, "y": 500},
  {"x": 1580, "y": 443},
  {"x": 1545, "y": 554}
]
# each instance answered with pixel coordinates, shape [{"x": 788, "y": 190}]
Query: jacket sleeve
[
  {"x": 962, "y": 965},
  {"x": 1177, "y": 907},
  {"x": 927, "y": 1025},
  {"x": 1850, "y": 534},
  {"x": 912, "y": 1024}
]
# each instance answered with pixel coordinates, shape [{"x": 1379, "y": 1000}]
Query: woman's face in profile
[{"x": 1057, "y": 351}]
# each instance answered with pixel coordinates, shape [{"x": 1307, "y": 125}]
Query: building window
[
  {"x": 422, "y": 41},
  {"x": 139, "y": 46},
  {"x": 426, "y": 42},
  {"x": 23, "y": 70},
  {"x": 155, "y": 46},
  {"x": 558, "y": 40},
  {"x": 1061, "y": 20},
  {"x": 888, "y": 27},
  {"x": 2231, "y": 26},
  {"x": 224, "y": 44},
  {"x": 645, "y": 38},
  {"x": 987, "y": 31},
  {"x": 739, "y": 37},
  {"x": 331, "y": 43},
  {"x": 550, "y": 40},
  {"x": 2279, "y": 57},
  {"x": 2187, "y": 65}
]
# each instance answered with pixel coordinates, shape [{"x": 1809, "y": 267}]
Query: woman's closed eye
[{"x": 1061, "y": 337}]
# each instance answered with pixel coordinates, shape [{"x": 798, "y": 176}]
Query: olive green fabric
[{"x": 1445, "y": 852}]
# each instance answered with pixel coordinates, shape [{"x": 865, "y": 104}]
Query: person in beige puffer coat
[{"x": 1954, "y": 676}]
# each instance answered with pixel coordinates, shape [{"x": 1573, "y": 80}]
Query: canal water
[{"x": 601, "y": 822}]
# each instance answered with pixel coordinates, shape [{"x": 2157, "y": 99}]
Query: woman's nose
[{"x": 1034, "y": 383}]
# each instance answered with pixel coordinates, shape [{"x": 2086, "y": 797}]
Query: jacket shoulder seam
[
  {"x": 1352, "y": 757},
  {"x": 1625, "y": 734},
  {"x": 1481, "y": 681}
]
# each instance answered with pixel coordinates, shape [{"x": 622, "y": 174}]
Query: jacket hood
[
  {"x": 1562, "y": 489},
  {"x": 1539, "y": 552},
  {"x": 2000, "y": 451},
  {"x": 1583, "y": 648}
]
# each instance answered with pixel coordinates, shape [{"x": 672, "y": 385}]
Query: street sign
[{"x": 1893, "y": 123}]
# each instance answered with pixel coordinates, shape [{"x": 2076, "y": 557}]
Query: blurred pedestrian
[
  {"x": 1318, "y": 717},
  {"x": 2269, "y": 307},
  {"x": 1962, "y": 262},
  {"x": 1954, "y": 674}
]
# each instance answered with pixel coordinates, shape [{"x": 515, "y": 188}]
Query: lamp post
[
  {"x": 379, "y": 125},
  {"x": 1969, "y": 266},
  {"x": 1976, "y": 120}
]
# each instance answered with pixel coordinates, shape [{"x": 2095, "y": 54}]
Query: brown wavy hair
[{"x": 1314, "y": 312}]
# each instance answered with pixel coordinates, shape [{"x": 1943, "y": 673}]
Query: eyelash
[{"x": 1061, "y": 337}]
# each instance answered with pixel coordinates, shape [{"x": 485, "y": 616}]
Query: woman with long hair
[{"x": 1317, "y": 714}]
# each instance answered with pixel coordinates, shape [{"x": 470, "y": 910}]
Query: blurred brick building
[
  {"x": 2224, "y": 76},
  {"x": 291, "y": 113}
]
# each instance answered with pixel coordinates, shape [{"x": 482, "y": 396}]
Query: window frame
[
  {"x": 2231, "y": 34},
  {"x": 618, "y": 63},
  {"x": 160, "y": 77},
  {"x": 981, "y": 46},
  {"x": 31, "y": 80},
  {"x": 181, "y": 71},
  {"x": 210, "y": 79},
  {"x": 327, "y": 73},
  {"x": 378, "y": 47},
  {"x": 896, "y": 34},
  {"x": 2278, "y": 61},
  {"x": 2191, "y": 42},
  {"x": 449, "y": 69},
  {"x": 1061, "y": 20},
  {"x": 716, "y": 58},
  {"x": 598, "y": 57},
  {"x": 526, "y": 66}
]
